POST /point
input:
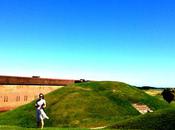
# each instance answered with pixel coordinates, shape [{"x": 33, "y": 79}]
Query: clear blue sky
[{"x": 132, "y": 41}]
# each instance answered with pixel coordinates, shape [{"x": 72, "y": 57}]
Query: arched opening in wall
[
  {"x": 1, "y": 98},
  {"x": 17, "y": 98},
  {"x": 25, "y": 98},
  {"x": 5, "y": 98}
]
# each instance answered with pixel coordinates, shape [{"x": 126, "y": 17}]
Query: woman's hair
[{"x": 41, "y": 95}]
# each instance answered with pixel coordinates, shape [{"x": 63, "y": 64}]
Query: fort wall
[
  {"x": 16, "y": 91},
  {"x": 35, "y": 80},
  {"x": 12, "y": 96}
]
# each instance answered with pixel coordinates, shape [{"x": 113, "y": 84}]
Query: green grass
[
  {"x": 22, "y": 128},
  {"x": 85, "y": 105},
  {"x": 51, "y": 128},
  {"x": 160, "y": 120}
]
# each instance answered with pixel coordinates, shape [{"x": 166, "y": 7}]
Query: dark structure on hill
[
  {"x": 168, "y": 95},
  {"x": 35, "y": 80}
]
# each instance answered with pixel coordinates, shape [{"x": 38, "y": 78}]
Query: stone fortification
[
  {"x": 17, "y": 91},
  {"x": 12, "y": 96},
  {"x": 35, "y": 80}
]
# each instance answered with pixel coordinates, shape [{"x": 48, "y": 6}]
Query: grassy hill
[
  {"x": 85, "y": 105},
  {"x": 159, "y": 120},
  {"x": 47, "y": 128}
]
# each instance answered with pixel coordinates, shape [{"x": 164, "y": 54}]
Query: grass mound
[
  {"x": 159, "y": 120},
  {"x": 85, "y": 105},
  {"x": 47, "y": 128}
]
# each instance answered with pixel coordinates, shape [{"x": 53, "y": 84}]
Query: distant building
[{"x": 35, "y": 76}]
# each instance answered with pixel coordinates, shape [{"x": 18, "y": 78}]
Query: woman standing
[{"x": 40, "y": 114}]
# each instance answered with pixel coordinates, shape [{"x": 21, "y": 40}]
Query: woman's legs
[
  {"x": 38, "y": 118},
  {"x": 42, "y": 123}
]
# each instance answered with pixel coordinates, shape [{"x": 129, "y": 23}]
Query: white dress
[{"x": 41, "y": 115}]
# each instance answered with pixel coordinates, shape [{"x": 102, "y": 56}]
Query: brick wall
[
  {"x": 12, "y": 96},
  {"x": 14, "y": 80}
]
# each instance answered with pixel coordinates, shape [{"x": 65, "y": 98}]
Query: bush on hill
[{"x": 168, "y": 95}]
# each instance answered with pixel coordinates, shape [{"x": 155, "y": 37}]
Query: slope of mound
[
  {"x": 160, "y": 120},
  {"x": 90, "y": 104}
]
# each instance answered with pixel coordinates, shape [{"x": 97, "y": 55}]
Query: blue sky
[{"x": 121, "y": 40}]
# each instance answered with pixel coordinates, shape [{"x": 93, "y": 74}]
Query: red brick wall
[{"x": 13, "y": 80}]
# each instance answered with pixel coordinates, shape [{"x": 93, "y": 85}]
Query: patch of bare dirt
[{"x": 142, "y": 108}]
